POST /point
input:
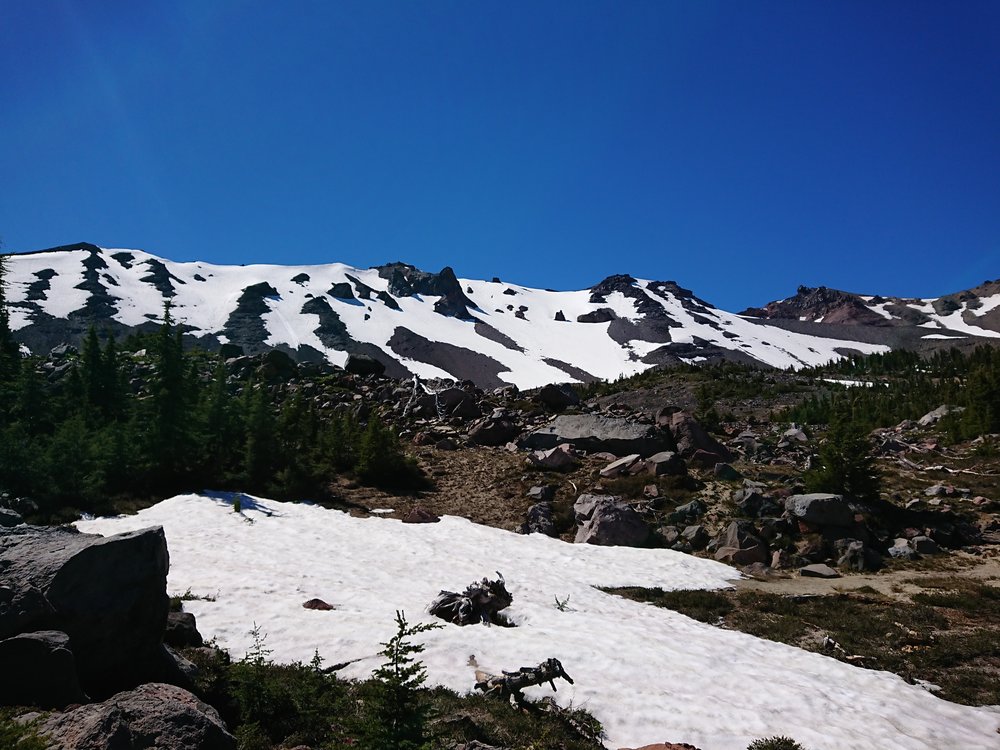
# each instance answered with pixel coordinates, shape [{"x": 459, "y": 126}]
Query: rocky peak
[
  {"x": 620, "y": 282},
  {"x": 406, "y": 280},
  {"x": 820, "y": 304}
]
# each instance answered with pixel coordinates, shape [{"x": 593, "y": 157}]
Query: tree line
[
  {"x": 901, "y": 385},
  {"x": 120, "y": 425}
]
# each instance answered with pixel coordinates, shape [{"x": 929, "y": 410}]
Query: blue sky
[{"x": 739, "y": 148}]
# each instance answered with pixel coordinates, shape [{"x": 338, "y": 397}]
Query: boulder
[
  {"x": 9, "y": 518},
  {"x": 277, "y": 365},
  {"x": 493, "y": 432},
  {"x": 854, "y": 555},
  {"x": 820, "y": 509},
  {"x": 691, "y": 438},
  {"x": 696, "y": 536},
  {"x": 600, "y": 315},
  {"x": 726, "y": 473},
  {"x": 453, "y": 402},
  {"x": 557, "y": 396},
  {"x": 609, "y": 521},
  {"x": 619, "y": 467},
  {"x": 595, "y": 433},
  {"x": 362, "y": 364},
  {"x": 751, "y": 502},
  {"x": 901, "y": 550},
  {"x": 795, "y": 434},
  {"x": 39, "y": 670},
  {"x": 924, "y": 545},
  {"x": 420, "y": 515},
  {"x": 690, "y": 511},
  {"x": 542, "y": 493},
  {"x": 182, "y": 631},
  {"x": 560, "y": 458},
  {"x": 539, "y": 520},
  {"x": 739, "y": 544},
  {"x": 108, "y": 594},
  {"x": 818, "y": 570},
  {"x": 666, "y": 463},
  {"x": 154, "y": 715}
]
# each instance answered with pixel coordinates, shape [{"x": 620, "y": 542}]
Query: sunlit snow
[{"x": 648, "y": 674}]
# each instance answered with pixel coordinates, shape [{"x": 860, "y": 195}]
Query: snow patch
[{"x": 646, "y": 673}]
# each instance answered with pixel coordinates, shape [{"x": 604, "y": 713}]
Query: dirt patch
[
  {"x": 485, "y": 485},
  {"x": 899, "y": 584}
]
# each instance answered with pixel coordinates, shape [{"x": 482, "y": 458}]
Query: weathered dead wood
[
  {"x": 510, "y": 685},
  {"x": 480, "y": 602}
]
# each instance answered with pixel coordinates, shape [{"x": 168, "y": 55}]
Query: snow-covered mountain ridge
[{"x": 414, "y": 322}]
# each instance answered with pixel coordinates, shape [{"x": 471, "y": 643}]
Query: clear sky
[{"x": 739, "y": 148}]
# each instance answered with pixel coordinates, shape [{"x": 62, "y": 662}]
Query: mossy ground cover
[{"x": 947, "y": 635}]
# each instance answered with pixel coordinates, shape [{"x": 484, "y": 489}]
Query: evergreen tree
[
  {"x": 396, "y": 716},
  {"x": 92, "y": 366},
  {"x": 380, "y": 457},
  {"x": 258, "y": 457},
  {"x": 10, "y": 353},
  {"x": 170, "y": 409},
  {"x": 846, "y": 465}
]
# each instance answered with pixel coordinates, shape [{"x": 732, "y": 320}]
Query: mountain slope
[
  {"x": 414, "y": 322},
  {"x": 973, "y": 312}
]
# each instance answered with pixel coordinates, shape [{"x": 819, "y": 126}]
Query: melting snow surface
[{"x": 647, "y": 674}]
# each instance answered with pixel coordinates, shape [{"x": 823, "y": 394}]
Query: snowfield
[
  {"x": 205, "y": 295},
  {"x": 648, "y": 674}
]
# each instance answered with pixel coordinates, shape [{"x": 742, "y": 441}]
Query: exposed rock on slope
[
  {"x": 593, "y": 433},
  {"x": 973, "y": 312},
  {"x": 413, "y": 322}
]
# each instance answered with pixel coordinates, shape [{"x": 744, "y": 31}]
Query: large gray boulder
[
  {"x": 108, "y": 594},
  {"x": 666, "y": 463},
  {"x": 739, "y": 544},
  {"x": 39, "y": 670},
  {"x": 694, "y": 442},
  {"x": 494, "y": 431},
  {"x": 9, "y": 517},
  {"x": 560, "y": 458},
  {"x": 558, "y": 396},
  {"x": 820, "y": 509},
  {"x": 539, "y": 520},
  {"x": 154, "y": 716},
  {"x": 608, "y": 521},
  {"x": 594, "y": 433}
]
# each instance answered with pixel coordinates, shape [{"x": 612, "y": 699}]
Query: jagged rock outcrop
[
  {"x": 830, "y": 306},
  {"x": 406, "y": 281}
]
